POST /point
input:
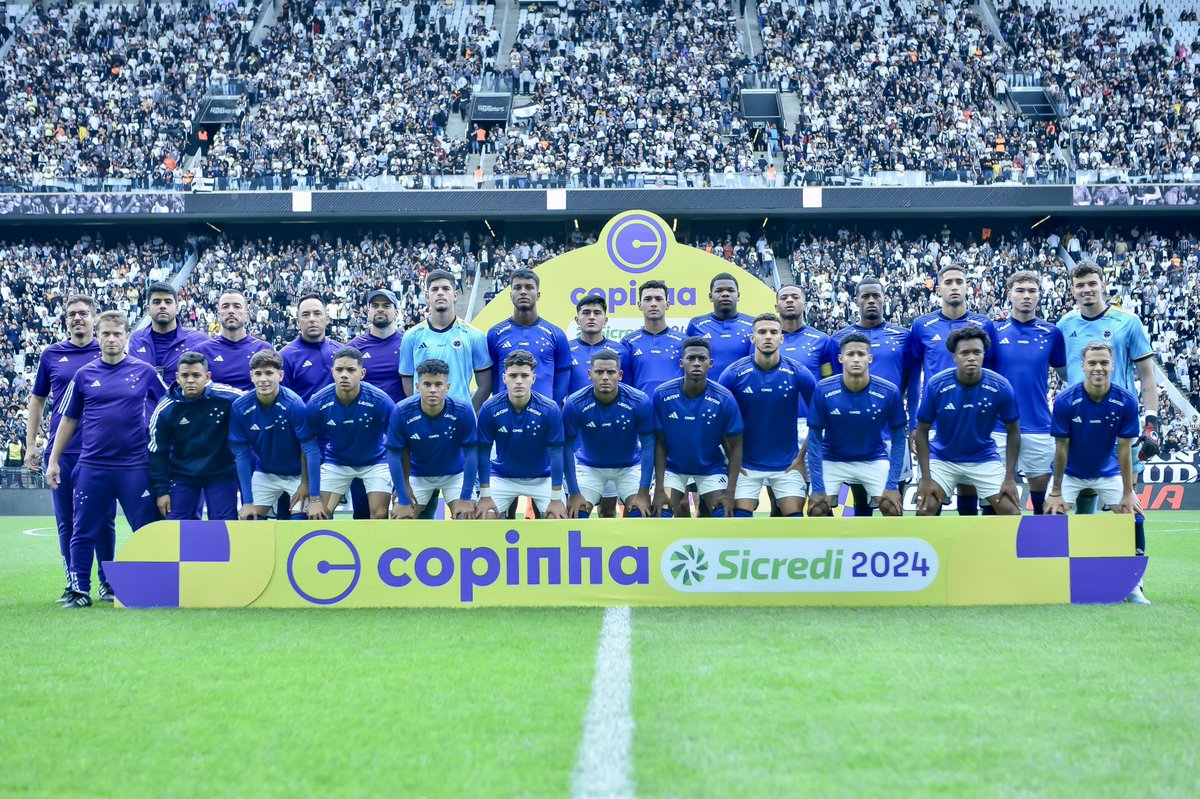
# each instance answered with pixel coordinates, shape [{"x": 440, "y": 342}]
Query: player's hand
[
  {"x": 298, "y": 498},
  {"x": 246, "y": 512},
  {"x": 1055, "y": 505},
  {"x": 929, "y": 494},
  {"x": 1150, "y": 439},
  {"x": 33, "y": 459},
  {"x": 576, "y": 504},
  {"x": 485, "y": 508},
  {"x": 727, "y": 503},
  {"x": 402, "y": 511},
  {"x": 660, "y": 503},
  {"x": 819, "y": 505},
  {"x": 53, "y": 475},
  {"x": 639, "y": 501},
  {"x": 315, "y": 510},
  {"x": 164, "y": 505},
  {"x": 1129, "y": 504},
  {"x": 1009, "y": 489},
  {"x": 463, "y": 509},
  {"x": 891, "y": 503},
  {"x": 556, "y": 510}
]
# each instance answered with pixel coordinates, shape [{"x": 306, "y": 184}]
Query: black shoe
[
  {"x": 67, "y": 592},
  {"x": 105, "y": 593},
  {"x": 78, "y": 600}
]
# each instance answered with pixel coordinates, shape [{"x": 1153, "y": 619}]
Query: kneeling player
[
  {"x": 694, "y": 418},
  {"x": 847, "y": 419},
  {"x": 1089, "y": 419},
  {"x": 350, "y": 419},
  {"x": 769, "y": 391},
  {"x": 963, "y": 405},
  {"x": 610, "y": 420},
  {"x": 431, "y": 447},
  {"x": 526, "y": 429}
]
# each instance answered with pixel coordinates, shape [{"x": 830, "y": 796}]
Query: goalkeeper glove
[{"x": 1150, "y": 438}]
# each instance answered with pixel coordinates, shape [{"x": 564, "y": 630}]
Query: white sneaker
[{"x": 1137, "y": 597}]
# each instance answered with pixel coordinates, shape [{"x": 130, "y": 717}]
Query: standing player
[
  {"x": 1027, "y": 349},
  {"x": 190, "y": 459},
  {"x": 1089, "y": 419},
  {"x": 927, "y": 346},
  {"x": 431, "y": 443},
  {"x": 695, "y": 419},
  {"x": 106, "y": 399},
  {"x": 650, "y": 357},
  {"x": 308, "y": 358},
  {"x": 275, "y": 450},
  {"x": 1095, "y": 319},
  {"x": 770, "y": 391},
  {"x": 890, "y": 361},
  {"x": 802, "y": 342},
  {"x": 611, "y": 421},
  {"x": 526, "y": 429},
  {"x": 726, "y": 330},
  {"x": 230, "y": 352},
  {"x": 380, "y": 345},
  {"x": 591, "y": 316},
  {"x": 546, "y": 342},
  {"x": 445, "y": 337},
  {"x": 350, "y": 419},
  {"x": 161, "y": 344},
  {"x": 56, "y": 366},
  {"x": 964, "y": 403},
  {"x": 848, "y": 417}
]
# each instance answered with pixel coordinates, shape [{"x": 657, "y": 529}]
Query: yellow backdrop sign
[
  {"x": 906, "y": 561},
  {"x": 634, "y": 247}
]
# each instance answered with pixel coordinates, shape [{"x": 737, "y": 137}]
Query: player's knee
[{"x": 740, "y": 513}]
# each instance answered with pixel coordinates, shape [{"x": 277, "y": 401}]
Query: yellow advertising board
[{"x": 982, "y": 560}]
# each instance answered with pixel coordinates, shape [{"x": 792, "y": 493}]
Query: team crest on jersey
[
  {"x": 456, "y": 344},
  {"x": 1108, "y": 334}
]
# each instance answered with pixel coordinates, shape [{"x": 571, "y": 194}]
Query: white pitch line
[
  {"x": 36, "y": 532},
  {"x": 604, "y": 769}
]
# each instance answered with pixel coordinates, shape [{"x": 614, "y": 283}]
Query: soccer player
[
  {"x": 769, "y": 390},
  {"x": 726, "y": 330},
  {"x": 591, "y": 316},
  {"x": 964, "y": 403},
  {"x": 614, "y": 426},
  {"x": 445, "y": 337},
  {"x": 1089, "y": 419},
  {"x": 350, "y": 418},
  {"x": 161, "y": 344},
  {"x": 106, "y": 400},
  {"x": 380, "y": 345},
  {"x": 927, "y": 346},
  {"x": 431, "y": 442},
  {"x": 308, "y": 358},
  {"x": 694, "y": 419},
  {"x": 546, "y": 342},
  {"x": 851, "y": 415},
  {"x": 190, "y": 459},
  {"x": 1095, "y": 319},
  {"x": 1027, "y": 348},
  {"x": 275, "y": 450},
  {"x": 230, "y": 352},
  {"x": 526, "y": 429},
  {"x": 57, "y": 365},
  {"x": 650, "y": 357},
  {"x": 890, "y": 360},
  {"x": 802, "y": 342}
]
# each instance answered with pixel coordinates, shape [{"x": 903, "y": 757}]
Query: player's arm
[
  {"x": 1054, "y": 500},
  {"x": 814, "y": 453},
  {"x": 244, "y": 463},
  {"x": 407, "y": 382},
  {"x": 161, "y": 443},
  {"x": 483, "y": 388},
  {"x": 485, "y": 508},
  {"x": 1151, "y": 432},
  {"x": 314, "y": 508},
  {"x": 733, "y": 451},
  {"x": 66, "y": 429},
  {"x": 1012, "y": 450},
  {"x": 557, "y": 509},
  {"x": 661, "y": 501},
  {"x": 33, "y": 425},
  {"x": 575, "y": 501},
  {"x": 921, "y": 446},
  {"x": 1129, "y": 499}
]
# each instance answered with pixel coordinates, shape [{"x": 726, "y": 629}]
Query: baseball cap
[{"x": 387, "y": 295}]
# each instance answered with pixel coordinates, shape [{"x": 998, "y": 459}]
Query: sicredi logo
[{"x": 792, "y": 565}]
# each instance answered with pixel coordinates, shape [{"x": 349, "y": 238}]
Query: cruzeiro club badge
[{"x": 688, "y": 564}]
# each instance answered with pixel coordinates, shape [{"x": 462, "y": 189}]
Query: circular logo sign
[
  {"x": 326, "y": 553},
  {"x": 637, "y": 244}
]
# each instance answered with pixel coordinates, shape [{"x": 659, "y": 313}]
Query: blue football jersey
[
  {"x": 608, "y": 435},
  {"x": 547, "y": 343},
  {"x": 729, "y": 338},
  {"x": 435, "y": 444},
  {"x": 694, "y": 427},
  {"x": 854, "y": 423},
  {"x": 581, "y": 355},
  {"x": 351, "y": 434},
  {"x": 769, "y": 401},
  {"x": 521, "y": 437},
  {"x": 927, "y": 344},
  {"x": 1025, "y": 352},
  {"x": 1093, "y": 429},
  {"x": 1117, "y": 328},
  {"x": 965, "y": 416}
]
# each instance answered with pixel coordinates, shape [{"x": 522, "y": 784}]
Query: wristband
[{"x": 485, "y": 493}]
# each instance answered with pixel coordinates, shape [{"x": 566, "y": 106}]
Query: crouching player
[
  {"x": 526, "y": 428},
  {"x": 610, "y": 420},
  {"x": 963, "y": 404},
  {"x": 1089, "y": 419},
  {"x": 847, "y": 419},
  {"x": 431, "y": 442},
  {"x": 694, "y": 418},
  {"x": 276, "y": 452}
]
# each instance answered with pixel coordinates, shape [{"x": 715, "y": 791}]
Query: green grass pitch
[{"x": 942, "y": 702}]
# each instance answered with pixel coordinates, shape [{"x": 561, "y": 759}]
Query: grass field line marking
[
  {"x": 604, "y": 768},
  {"x": 36, "y": 532}
]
